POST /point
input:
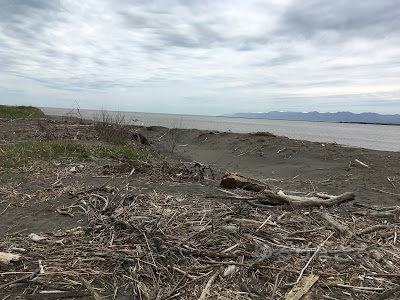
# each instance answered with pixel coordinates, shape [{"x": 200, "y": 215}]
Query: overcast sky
[{"x": 202, "y": 57}]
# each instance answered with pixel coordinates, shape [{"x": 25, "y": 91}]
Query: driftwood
[
  {"x": 29, "y": 276},
  {"x": 362, "y": 163},
  {"x": 393, "y": 214},
  {"x": 302, "y": 287},
  {"x": 235, "y": 181},
  {"x": 88, "y": 286},
  {"x": 297, "y": 201},
  {"x": 343, "y": 229}
]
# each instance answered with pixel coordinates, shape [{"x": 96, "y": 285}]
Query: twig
[
  {"x": 311, "y": 258},
  {"x": 362, "y": 163},
  {"x": 9, "y": 204},
  {"x": 184, "y": 273},
  {"x": 87, "y": 285},
  {"x": 29, "y": 276},
  {"x": 384, "y": 192},
  {"x": 359, "y": 288},
  {"x": 207, "y": 288},
  {"x": 375, "y": 228},
  {"x": 276, "y": 282},
  {"x": 388, "y": 293},
  {"x": 391, "y": 182},
  {"x": 335, "y": 224},
  {"x": 279, "y": 151}
]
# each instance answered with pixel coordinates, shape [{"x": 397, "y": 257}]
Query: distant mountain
[{"x": 344, "y": 116}]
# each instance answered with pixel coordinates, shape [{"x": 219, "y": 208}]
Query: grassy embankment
[
  {"x": 16, "y": 112},
  {"x": 114, "y": 140}
]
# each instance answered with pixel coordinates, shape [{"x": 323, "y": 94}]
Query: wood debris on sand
[{"x": 156, "y": 246}]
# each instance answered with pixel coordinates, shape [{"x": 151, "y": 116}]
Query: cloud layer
[{"x": 202, "y": 57}]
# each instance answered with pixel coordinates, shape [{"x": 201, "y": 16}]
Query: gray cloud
[
  {"x": 27, "y": 19},
  {"x": 203, "y": 56},
  {"x": 369, "y": 18}
]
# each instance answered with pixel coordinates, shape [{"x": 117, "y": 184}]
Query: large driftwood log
[
  {"x": 297, "y": 201},
  {"x": 235, "y": 181}
]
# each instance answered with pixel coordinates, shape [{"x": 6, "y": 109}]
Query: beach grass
[
  {"x": 16, "y": 112},
  {"x": 263, "y": 133},
  {"x": 46, "y": 153}
]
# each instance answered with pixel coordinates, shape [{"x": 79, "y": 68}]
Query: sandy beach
[{"x": 47, "y": 201}]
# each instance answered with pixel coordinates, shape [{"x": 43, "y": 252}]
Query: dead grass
[
  {"x": 112, "y": 128},
  {"x": 262, "y": 133}
]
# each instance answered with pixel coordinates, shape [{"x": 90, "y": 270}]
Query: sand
[
  {"x": 29, "y": 198},
  {"x": 286, "y": 164}
]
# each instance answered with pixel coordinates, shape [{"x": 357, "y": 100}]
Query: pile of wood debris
[{"x": 156, "y": 246}]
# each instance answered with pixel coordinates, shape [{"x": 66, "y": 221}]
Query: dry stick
[
  {"x": 207, "y": 288},
  {"x": 391, "y": 182},
  {"x": 61, "y": 211},
  {"x": 381, "y": 191},
  {"x": 388, "y": 293},
  {"x": 335, "y": 224},
  {"x": 176, "y": 291},
  {"x": 311, "y": 258},
  {"x": 362, "y": 163},
  {"x": 9, "y": 204},
  {"x": 101, "y": 198},
  {"x": 247, "y": 290},
  {"x": 359, "y": 288},
  {"x": 57, "y": 295},
  {"x": 184, "y": 273},
  {"x": 276, "y": 282},
  {"x": 306, "y": 231},
  {"x": 272, "y": 268},
  {"x": 375, "y": 228},
  {"x": 29, "y": 276},
  {"x": 90, "y": 288}
]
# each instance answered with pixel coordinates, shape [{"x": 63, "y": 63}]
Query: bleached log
[
  {"x": 7, "y": 258},
  {"x": 298, "y": 201},
  {"x": 362, "y": 163}
]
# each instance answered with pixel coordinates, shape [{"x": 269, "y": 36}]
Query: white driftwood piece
[
  {"x": 7, "y": 258},
  {"x": 298, "y": 201},
  {"x": 362, "y": 163}
]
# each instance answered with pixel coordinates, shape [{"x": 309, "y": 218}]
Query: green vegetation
[
  {"x": 15, "y": 112},
  {"x": 45, "y": 153}
]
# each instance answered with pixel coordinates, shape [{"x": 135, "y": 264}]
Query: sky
[{"x": 205, "y": 57}]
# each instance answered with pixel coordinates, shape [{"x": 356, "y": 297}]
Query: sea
[{"x": 370, "y": 136}]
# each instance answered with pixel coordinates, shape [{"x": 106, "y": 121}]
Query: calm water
[{"x": 378, "y": 137}]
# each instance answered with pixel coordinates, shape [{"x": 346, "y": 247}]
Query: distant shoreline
[
  {"x": 371, "y": 136},
  {"x": 222, "y": 116},
  {"x": 315, "y": 116},
  {"x": 316, "y": 121}
]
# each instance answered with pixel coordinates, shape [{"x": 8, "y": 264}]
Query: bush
[{"x": 111, "y": 127}]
